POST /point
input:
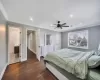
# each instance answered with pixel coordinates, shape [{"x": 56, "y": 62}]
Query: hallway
[
  {"x": 31, "y": 69},
  {"x": 31, "y": 55}
]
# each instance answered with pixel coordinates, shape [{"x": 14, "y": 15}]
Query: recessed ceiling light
[
  {"x": 51, "y": 25},
  {"x": 71, "y": 15},
  {"x": 31, "y": 19},
  {"x": 80, "y": 23}
]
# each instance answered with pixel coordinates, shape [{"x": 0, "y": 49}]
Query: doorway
[
  {"x": 14, "y": 44},
  {"x": 31, "y": 44}
]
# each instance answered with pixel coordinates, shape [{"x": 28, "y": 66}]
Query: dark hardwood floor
[{"x": 31, "y": 69}]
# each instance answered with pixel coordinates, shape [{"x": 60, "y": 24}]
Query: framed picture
[{"x": 78, "y": 39}]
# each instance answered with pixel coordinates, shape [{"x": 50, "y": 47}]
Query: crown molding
[
  {"x": 81, "y": 27},
  {"x": 58, "y": 30},
  {"x": 3, "y": 11}
]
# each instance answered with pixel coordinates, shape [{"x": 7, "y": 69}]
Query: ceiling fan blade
[
  {"x": 65, "y": 26},
  {"x": 61, "y": 27}
]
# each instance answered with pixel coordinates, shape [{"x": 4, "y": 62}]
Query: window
[{"x": 48, "y": 39}]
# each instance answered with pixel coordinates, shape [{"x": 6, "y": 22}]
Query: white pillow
[
  {"x": 94, "y": 61},
  {"x": 98, "y": 52}
]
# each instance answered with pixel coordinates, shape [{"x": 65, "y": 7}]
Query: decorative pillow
[{"x": 94, "y": 61}]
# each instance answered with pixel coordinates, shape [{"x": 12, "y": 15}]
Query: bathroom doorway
[{"x": 14, "y": 44}]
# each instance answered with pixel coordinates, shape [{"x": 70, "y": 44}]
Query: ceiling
[{"x": 44, "y": 13}]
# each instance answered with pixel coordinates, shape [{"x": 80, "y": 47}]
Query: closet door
[
  {"x": 58, "y": 41},
  {"x": 48, "y": 44}
]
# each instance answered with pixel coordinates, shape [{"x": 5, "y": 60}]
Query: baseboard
[
  {"x": 32, "y": 51},
  {"x": 3, "y": 71},
  {"x": 38, "y": 57},
  {"x": 23, "y": 59}
]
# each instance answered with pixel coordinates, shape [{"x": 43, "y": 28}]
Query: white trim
[
  {"x": 38, "y": 54},
  {"x": 26, "y": 45},
  {"x": 56, "y": 72},
  {"x": 23, "y": 59},
  {"x": 38, "y": 57},
  {"x": 32, "y": 51},
  {"x": 21, "y": 47},
  {"x": 45, "y": 39},
  {"x": 80, "y": 27},
  {"x": 62, "y": 30},
  {"x": 38, "y": 27},
  {"x": 3, "y": 71},
  {"x": 3, "y": 11}
]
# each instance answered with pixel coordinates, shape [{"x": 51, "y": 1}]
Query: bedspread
[{"x": 72, "y": 61}]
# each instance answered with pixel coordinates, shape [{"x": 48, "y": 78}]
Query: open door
[
  {"x": 14, "y": 44},
  {"x": 38, "y": 47}
]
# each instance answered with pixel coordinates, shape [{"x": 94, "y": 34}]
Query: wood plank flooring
[{"x": 31, "y": 69}]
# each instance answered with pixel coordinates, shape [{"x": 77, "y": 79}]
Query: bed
[
  {"x": 61, "y": 74},
  {"x": 56, "y": 64}
]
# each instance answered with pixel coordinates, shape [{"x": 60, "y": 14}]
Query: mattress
[{"x": 94, "y": 74}]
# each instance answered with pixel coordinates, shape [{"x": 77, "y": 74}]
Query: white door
[
  {"x": 38, "y": 47},
  {"x": 14, "y": 44},
  {"x": 48, "y": 44}
]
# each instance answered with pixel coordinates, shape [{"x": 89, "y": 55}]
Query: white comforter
[{"x": 72, "y": 61}]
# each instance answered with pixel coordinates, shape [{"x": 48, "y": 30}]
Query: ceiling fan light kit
[{"x": 59, "y": 25}]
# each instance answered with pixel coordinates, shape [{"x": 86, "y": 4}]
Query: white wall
[
  {"x": 14, "y": 38},
  {"x": 3, "y": 55},
  {"x": 3, "y": 40},
  {"x": 3, "y": 43},
  {"x": 28, "y": 40}
]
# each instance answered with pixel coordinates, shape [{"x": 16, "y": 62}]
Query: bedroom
[{"x": 64, "y": 33}]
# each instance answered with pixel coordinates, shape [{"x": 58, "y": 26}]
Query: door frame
[
  {"x": 37, "y": 42},
  {"x": 8, "y": 43}
]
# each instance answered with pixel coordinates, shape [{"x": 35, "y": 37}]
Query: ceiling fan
[{"x": 59, "y": 25}]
